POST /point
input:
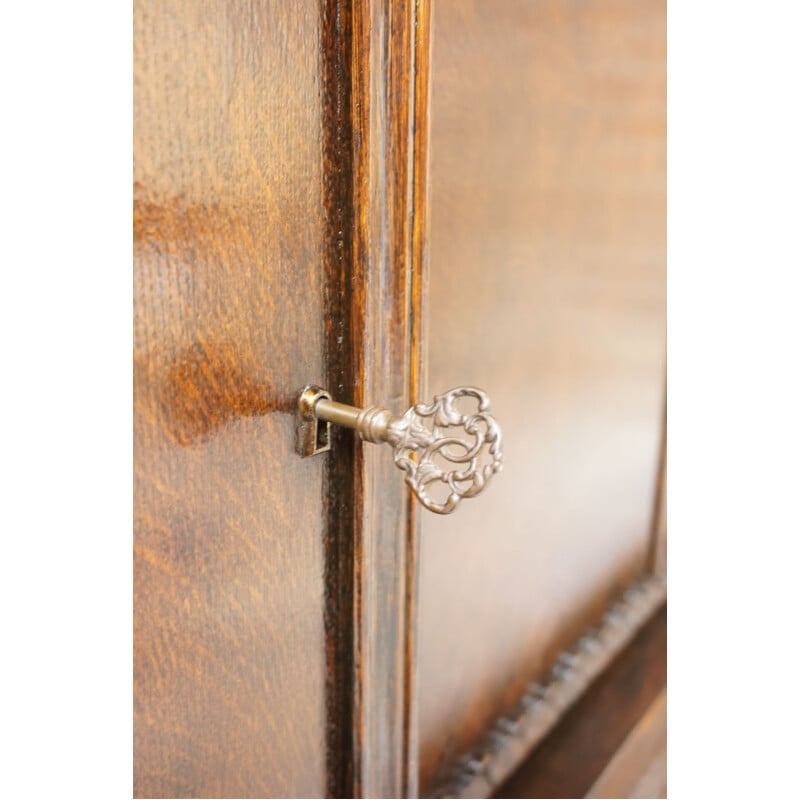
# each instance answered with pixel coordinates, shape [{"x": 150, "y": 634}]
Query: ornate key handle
[{"x": 445, "y": 452}]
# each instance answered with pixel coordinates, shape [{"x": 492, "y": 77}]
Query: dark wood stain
[
  {"x": 208, "y": 386},
  {"x": 390, "y": 52},
  {"x": 374, "y": 56},
  {"x": 280, "y": 237},
  {"x": 342, "y": 340}
]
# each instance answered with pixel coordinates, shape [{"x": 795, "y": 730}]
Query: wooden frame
[{"x": 375, "y": 85}]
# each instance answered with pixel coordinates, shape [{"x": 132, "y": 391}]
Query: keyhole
[{"x": 323, "y": 433}]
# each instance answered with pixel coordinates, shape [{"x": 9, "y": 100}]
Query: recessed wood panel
[
  {"x": 229, "y": 322},
  {"x": 547, "y": 289}
]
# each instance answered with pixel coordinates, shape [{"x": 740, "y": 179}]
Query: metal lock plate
[{"x": 312, "y": 435}]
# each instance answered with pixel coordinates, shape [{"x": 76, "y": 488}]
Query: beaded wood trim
[{"x": 513, "y": 736}]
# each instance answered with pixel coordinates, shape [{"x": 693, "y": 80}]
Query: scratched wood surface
[
  {"x": 229, "y": 307},
  {"x": 547, "y": 271}
]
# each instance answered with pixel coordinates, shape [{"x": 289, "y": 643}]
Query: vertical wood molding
[
  {"x": 376, "y": 101},
  {"x": 418, "y": 379},
  {"x": 389, "y": 243}
]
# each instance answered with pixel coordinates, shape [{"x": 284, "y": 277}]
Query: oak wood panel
[
  {"x": 582, "y": 746},
  {"x": 229, "y": 301},
  {"x": 547, "y": 272}
]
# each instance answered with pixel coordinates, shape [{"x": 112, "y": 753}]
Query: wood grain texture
[
  {"x": 229, "y": 641},
  {"x": 547, "y": 289},
  {"x": 570, "y": 762},
  {"x": 509, "y": 740},
  {"x": 390, "y": 52},
  {"x": 375, "y": 72},
  {"x": 280, "y": 158},
  {"x": 343, "y": 339}
]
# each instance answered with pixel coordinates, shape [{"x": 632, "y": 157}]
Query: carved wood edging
[{"x": 512, "y": 737}]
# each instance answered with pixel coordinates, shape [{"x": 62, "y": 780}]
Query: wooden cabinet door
[
  {"x": 547, "y": 289},
  {"x": 278, "y": 159},
  {"x": 281, "y": 228},
  {"x": 229, "y": 301}
]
